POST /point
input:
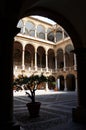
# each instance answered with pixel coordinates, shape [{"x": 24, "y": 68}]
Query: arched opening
[
  {"x": 17, "y": 54},
  {"x": 70, "y": 82},
  {"x": 72, "y": 21},
  {"x": 69, "y": 55},
  {"x": 51, "y": 82},
  {"x": 45, "y": 55},
  {"x": 41, "y": 57},
  {"x": 60, "y": 62},
  {"x": 61, "y": 83},
  {"x": 51, "y": 59},
  {"x": 29, "y": 56}
]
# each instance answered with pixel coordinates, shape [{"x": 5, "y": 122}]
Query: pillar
[
  {"x": 23, "y": 28},
  {"x": 75, "y": 64},
  {"x": 35, "y": 60},
  {"x": 47, "y": 89},
  {"x": 7, "y": 33},
  {"x": 23, "y": 57},
  {"x": 46, "y": 61},
  {"x": 63, "y": 34},
  {"x": 65, "y": 84},
  {"x": 56, "y": 61},
  {"x": 79, "y": 113},
  {"x": 46, "y": 34},
  {"x": 35, "y": 31}
]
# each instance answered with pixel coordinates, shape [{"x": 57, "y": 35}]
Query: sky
[{"x": 44, "y": 19}]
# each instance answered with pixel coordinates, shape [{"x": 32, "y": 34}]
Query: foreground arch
[{"x": 73, "y": 21}]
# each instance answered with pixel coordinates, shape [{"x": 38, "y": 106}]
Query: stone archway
[{"x": 73, "y": 21}]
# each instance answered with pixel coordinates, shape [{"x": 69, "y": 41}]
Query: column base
[
  {"x": 79, "y": 115},
  {"x": 9, "y": 126}
]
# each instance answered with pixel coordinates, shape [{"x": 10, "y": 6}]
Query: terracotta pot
[{"x": 33, "y": 109}]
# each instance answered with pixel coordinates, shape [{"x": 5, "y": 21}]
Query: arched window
[
  {"x": 20, "y": 25},
  {"x": 41, "y": 58},
  {"x": 59, "y": 35},
  {"x": 50, "y": 35},
  {"x": 60, "y": 62},
  {"x": 69, "y": 55},
  {"x": 51, "y": 59},
  {"x": 30, "y": 28},
  {"x": 41, "y": 32}
]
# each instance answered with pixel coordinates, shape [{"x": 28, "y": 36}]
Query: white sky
[{"x": 45, "y": 19}]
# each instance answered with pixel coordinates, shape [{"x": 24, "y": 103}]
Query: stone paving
[{"x": 55, "y": 112}]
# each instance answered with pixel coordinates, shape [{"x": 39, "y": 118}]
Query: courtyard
[{"x": 55, "y": 112}]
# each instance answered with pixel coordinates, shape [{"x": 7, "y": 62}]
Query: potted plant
[{"x": 32, "y": 83}]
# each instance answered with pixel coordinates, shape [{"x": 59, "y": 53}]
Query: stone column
[
  {"x": 55, "y": 36},
  {"x": 47, "y": 89},
  {"x": 46, "y": 34},
  {"x": 46, "y": 61},
  {"x": 56, "y": 61},
  {"x": 7, "y": 33},
  {"x": 35, "y": 31},
  {"x": 36, "y": 60},
  {"x": 65, "y": 84},
  {"x": 79, "y": 113},
  {"x": 63, "y": 34},
  {"x": 23, "y": 57},
  {"x": 23, "y": 28},
  {"x": 75, "y": 64}
]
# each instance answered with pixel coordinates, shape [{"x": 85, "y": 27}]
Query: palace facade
[{"x": 41, "y": 47}]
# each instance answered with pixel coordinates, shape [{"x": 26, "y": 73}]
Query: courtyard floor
[{"x": 55, "y": 112}]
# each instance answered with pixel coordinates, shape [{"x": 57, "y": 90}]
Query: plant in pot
[{"x": 31, "y": 83}]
